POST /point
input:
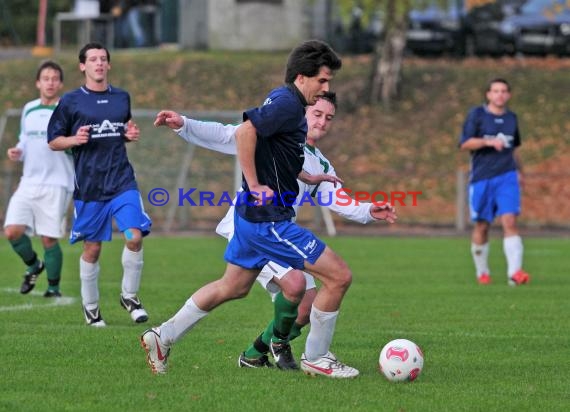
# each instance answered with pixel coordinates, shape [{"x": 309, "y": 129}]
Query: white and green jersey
[
  {"x": 42, "y": 166},
  {"x": 326, "y": 194},
  {"x": 221, "y": 138}
]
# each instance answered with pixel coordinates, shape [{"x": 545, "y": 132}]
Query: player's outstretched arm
[
  {"x": 169, "y": 119},
  {"x": 209, "y": 135},
  {"x": 316, "y": 179},
  {"x": 340, "y": 201},
  {"x": 385, "y": 212}
]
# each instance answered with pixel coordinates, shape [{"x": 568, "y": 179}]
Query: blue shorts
[
  {"x": 493, "y": 197},
  {"x": 93, "y": 220},
  {"x": 285, "y": 243}
]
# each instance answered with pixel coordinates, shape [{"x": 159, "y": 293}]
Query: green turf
[{"x": 487, "y": 348}]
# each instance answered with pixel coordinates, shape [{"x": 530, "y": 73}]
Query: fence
[{"x": 164, "y": 161}]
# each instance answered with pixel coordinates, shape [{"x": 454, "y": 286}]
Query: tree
[
  {"x": 389, "y": 50},
  {"x": 389, "y": 53}
]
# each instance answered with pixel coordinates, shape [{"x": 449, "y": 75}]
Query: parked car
[
  {"x": 437, "y": 29},
  {"x": 541, "y": 27},
  {"x": 483, "y": 28}
]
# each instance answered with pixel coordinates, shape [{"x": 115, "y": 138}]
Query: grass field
[{"x": 491, "y": 348}]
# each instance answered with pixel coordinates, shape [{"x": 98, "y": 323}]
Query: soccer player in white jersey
[
  {"x": 221, "y": 138},
  {"x": 39, "y": 204}
]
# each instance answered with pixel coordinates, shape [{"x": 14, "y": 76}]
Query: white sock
[
  {"x": 181, "y": 323},
  {"x": 132, "y": 272},
  {"x": 513, "y": 248},
  {"x": 89, "y": 275},
  {"x": 321, "y": 333},
  {"x": 480, "y": 255}
]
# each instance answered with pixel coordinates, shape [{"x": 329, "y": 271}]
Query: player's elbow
[
  {"x": 465, "y": 147},
  {"x": 55, "y": 144},
  {"x": 245, "y": 130}
]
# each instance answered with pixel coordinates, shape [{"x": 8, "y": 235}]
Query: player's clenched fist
[
  {"x": 82, "y": 135},
  {"x": 132, "y": 131}
]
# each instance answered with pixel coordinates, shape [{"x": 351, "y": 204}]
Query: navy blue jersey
[
  {"x": 281, "y": 133},
  {"x": 102, "y": 169},
  {"x": 488, "y": 162}
]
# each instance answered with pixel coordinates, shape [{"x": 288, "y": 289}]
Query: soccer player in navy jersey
[
  {"x": 221, "y": 138},
  {"x": 270, "y": 147},
  {"x": 94, "y": 122},
  {"x": 491, "y": 134}
]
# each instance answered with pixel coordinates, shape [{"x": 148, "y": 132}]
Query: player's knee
[
  {"x": 509, "y": 223},
  {"x": 238, "y": 292},
  {"x": 91, "y": 252},
  {"x": 49, "y": 242},
  {"x": 346, "y": 279},
  {"x": 12, "y": 233},
  {"x": 229, "y": 289},
  {"x": 293, "y": 285},
  {"x": 133, "y": 239},
  {"x": 343, "y": 277},
  {"x": 9, "y": 234},
  {"x": 241, "y": 294}
]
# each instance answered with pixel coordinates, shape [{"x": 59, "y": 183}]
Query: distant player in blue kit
[
  {"x": 270, "y": 149},
  {"x": 491, "y": 134},
  {"x": 94, "y": 121}
]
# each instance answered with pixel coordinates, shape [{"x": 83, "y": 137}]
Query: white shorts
[
  {"x": 226, "y": 226},
  {"x": 272, "y": 269},
  {"x": 40, "y": 208}
]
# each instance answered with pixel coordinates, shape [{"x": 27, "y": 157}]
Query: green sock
[
  {"x": 295, "y": 331},
  {"x": 53, "y": 260},
  {"x": 23, "y": 247},
  {"x": 267, "y": 333},
  {"x": 261, "y": 344},
  {"x": 285, "y": 315}
]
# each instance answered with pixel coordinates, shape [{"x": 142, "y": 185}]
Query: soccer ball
[{"x": 401, "y": 360}]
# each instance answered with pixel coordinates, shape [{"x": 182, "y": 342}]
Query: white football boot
[{"x": 329, "y": 366}]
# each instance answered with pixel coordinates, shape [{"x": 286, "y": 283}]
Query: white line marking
[{"x": 51, "y": 302}]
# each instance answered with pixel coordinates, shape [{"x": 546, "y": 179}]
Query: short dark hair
[
  {"x": 329, "y": 97},
  {"x": 308, "y": 58},
  {"x": 49, "y": 64},
  {"x": 498, "y": 80},
  {"x": 89, "y": 46}
]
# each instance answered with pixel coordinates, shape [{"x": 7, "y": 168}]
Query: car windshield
[
  {"x": 434, "y": 9},
  {"x": 545, "y": 7}
]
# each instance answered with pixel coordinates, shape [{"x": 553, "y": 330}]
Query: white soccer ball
[{"x": 401, "y": 360}]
